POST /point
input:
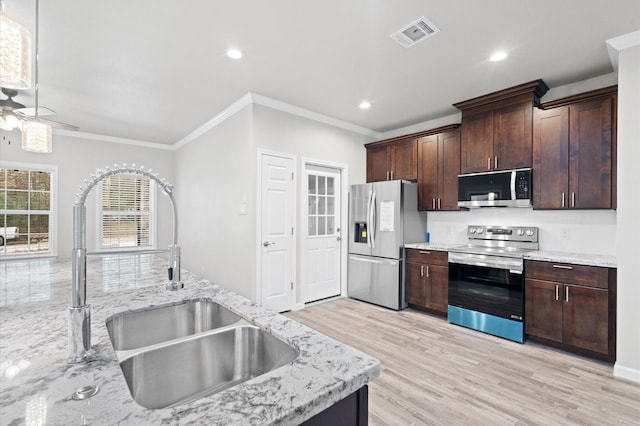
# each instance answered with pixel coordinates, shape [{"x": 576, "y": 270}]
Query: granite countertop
[
  {"x": 37, "y": 382},
  {"x": 601, "y": 260}
]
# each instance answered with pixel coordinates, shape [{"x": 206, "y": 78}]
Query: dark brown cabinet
[
  {"x": 572, "y": 306},
  {"x": 438, "y": 169},
  {"x": 427, "y": 280},
  {"x": 574, "y": 152},
  {"x": 496, "y": 130},
  {"x": 392, "y": 160}
]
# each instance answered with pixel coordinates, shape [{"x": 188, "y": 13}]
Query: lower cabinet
[
  {"x": 571, "y": 307},
  {"x": 350, "y": 411},
  {"x": 427, "y": 280}
]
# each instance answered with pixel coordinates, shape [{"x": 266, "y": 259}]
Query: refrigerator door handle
[
  {"x": 369, "y": 219},
  {"x": 372, "y": 223}
]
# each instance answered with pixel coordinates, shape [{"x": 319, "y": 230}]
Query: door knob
[
  {"x": 267, "y": 244},
  {"x": 338, "y": 238}
]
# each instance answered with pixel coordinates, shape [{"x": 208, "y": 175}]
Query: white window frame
[
  {"x": 153, "y": 217},
  {"x": 53, "y": 209}
]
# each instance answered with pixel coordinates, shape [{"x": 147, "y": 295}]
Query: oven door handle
[{"x": 513, "y": 266}]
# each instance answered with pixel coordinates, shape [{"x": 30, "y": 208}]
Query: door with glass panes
[{"x": 321, "y": 255}]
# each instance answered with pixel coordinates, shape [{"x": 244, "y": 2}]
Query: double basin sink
[{"x": 175, "y": 354}]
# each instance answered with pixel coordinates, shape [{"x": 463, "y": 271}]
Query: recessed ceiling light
[
  {"x": 365, "y": 105},
  {"x": 498, "y": 56},
  {"x": 234, "y": 53}
]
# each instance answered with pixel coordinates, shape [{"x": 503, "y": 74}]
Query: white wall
[
  {"x": 628, "y": 356},
  {"x": 584, "y": 231},
  {"x": 217, "y": 171},
  {"x": 76, "y": 160}
]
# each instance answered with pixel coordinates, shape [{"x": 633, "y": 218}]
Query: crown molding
[
  {"x": 615, "y": 45},
  {"x": 111, "y": 139},
  {"x": 247, "y": 99}
]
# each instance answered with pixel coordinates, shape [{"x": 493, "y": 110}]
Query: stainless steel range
[{"x": 486, "y": 281}]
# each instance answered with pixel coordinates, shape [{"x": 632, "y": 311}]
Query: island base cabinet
[{"x": 350, "y": 411}]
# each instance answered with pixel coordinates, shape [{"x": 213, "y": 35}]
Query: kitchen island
[{"x": 37, "y": 381}]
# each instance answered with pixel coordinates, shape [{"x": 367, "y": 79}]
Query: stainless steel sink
[
  {"x": 173, "y": 354},
  {"x": 186, "y": 370},
  {"x": 137, "y": 329}
]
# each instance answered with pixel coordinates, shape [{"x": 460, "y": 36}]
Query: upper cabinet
[
  {"x": 496, "y": 130},
  {"x": 438, "y": 169},
  {"x": 392, "y": 159},
  {"x": 574, "y": 148}
]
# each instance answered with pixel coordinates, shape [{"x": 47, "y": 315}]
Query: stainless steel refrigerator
[{"x": 383, "y": 216}]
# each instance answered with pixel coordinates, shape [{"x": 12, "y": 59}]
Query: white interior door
[
  {"x": 277, "y": 242},
  {"x": 322, "y": 233}
]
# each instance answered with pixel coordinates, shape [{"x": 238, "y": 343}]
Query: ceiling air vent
[{"x": 415, "y": 32}]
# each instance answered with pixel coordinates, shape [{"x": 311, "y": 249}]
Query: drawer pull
[
  {"x": 563, "y": 267},
  {"x": 425, "y": 252}
]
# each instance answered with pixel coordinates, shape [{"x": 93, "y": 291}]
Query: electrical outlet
[{"x": 565, "y": 234}]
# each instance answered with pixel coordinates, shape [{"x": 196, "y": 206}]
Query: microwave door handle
[{"x": 513, "y": 185}]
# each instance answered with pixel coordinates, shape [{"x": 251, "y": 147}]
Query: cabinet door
[
  {"x": 476, "y": 143},
  {"x": 551, "y": 158},
  {"x": 448, "y": 170},
  {"x": 586, "y": 318},
  {"x": 404, "y": 160},
  {"x": 414, "y": 284},
  {"x": 543, "y": 309},
  {"x": 512, "y": 137},
  {"x": 438, "y": 284},
  {"x": 590, "y": 154},
  {"x": 378, "y": 163},
  {"x": 428, "y": 172}
]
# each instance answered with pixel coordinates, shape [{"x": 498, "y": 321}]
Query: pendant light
[
  {"x": 15, "y": 54},
  {"x": 36, "y": 135}
]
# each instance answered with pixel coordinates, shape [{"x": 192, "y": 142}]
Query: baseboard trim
[{"x": 626, "y": 373}]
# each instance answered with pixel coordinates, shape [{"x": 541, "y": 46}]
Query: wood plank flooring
[{"x": 436, "y": 373}]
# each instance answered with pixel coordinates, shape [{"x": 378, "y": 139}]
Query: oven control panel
[{"x": 503, "y": 233}]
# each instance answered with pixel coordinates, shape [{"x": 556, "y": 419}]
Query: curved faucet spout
[{"x": 80, "y": 311}]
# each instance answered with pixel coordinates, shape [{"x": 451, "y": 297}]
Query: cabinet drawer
[
  {"x": 431, "y": 257},
  {"x": 589, "y": 276}
]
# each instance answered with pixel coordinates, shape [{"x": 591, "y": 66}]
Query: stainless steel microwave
[{"x": 509, "y": 188}]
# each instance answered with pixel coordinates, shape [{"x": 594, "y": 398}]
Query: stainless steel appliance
[
  {"x": 511, "y": 188},
  {"x": 383, "y": 216},
  {"x": 486, "y": 280}
]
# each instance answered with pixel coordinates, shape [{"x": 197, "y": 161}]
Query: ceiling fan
[{"x": 14, "y": 113}]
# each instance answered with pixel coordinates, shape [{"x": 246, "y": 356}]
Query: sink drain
[{"x": 85, "y": 392}]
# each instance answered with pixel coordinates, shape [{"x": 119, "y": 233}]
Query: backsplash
[{"x": 577, "y": 231}]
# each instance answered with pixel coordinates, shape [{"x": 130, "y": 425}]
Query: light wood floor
[{"x": 436, "y": 373}]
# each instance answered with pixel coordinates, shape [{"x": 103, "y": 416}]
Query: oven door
[{"x": 484, "y": 287}]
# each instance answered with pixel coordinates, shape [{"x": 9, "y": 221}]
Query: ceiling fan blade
[
  {"x": 59, "y": 125},
  {"x": 31, "y": 112}
]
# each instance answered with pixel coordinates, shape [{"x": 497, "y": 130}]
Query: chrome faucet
[{"x": 80, "y": 311}]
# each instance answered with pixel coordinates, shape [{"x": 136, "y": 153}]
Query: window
[
  {"x": 127, "y": 213},
  {"x": 27, "y": 194},
  {"x": 322, "y": 202}
]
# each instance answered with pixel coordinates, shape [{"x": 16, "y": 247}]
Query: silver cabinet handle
[
  {"x": 391, "y": 173},
  {"x": 495, "y": 162},
  {"x": 439, "y": 203},
  {"x": 387, "y": 175},
  {"x": 557, "y": 291},
  {"x": 425, "y": 252},
  {"x": 488, "y": 163},
  {"x": 267, "y": 244},
  {"x": 573, "y": 199},
  {"x": 433, "y": 203},
  {"x": 427, "y": 271},
  {"x": 563, "y": 199},
  {"x": 562, "y": 267},
  {"x": 422, "y": 270},
  {"x": 566, "y": 293}
]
